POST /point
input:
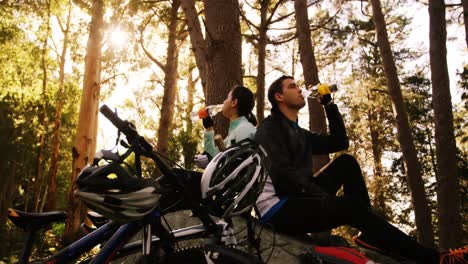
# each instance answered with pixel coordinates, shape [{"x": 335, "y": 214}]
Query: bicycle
[{"x": 158, "y": 243}]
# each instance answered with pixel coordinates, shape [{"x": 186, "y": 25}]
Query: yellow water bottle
[{"x": 319, "y": 89}]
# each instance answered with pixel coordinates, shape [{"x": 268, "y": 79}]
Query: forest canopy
[{"x": 155, "y": 62}]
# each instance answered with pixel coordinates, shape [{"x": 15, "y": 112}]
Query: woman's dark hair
[
  {"x": 276, "y": 87},
  {"x": 245, "y": 102}
]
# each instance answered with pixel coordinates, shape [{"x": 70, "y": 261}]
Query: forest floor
[{"x": 276, "y": 248}]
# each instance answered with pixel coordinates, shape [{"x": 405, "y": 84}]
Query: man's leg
[
  {"x": 344, "y": 171},
  {"x": 318, "y": 212}
]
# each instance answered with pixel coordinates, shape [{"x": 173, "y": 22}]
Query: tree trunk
[
  {"x": 261, "y": 47},
  {"x": 82, "y": 151},
  {"x": 170, "y": 83},
  {"x": 317, "y": 121},
  {"x": 378, "y": 202},
  {"x": 8, "y": 187},
  {"x": 465, "y": 19},
  {"x": 196, "y": 38},
  {"x": 52, "y": 192},
  {"x": 190, "y": 103},
  {"x": 189, "y": 150},
  {"x": 413, "y": 167},
  {"x": 261, "y": 75},
  {"x": 224, "y": 53},
  {"x": 450, "y": 229},
  {"x": 293, "y": 60}
]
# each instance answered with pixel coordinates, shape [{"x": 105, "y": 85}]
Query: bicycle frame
[
  {"x": 225, "y": 237},
  {"x": 117, "y": 234},
  {"x": 114, "y": 236},
  {"x": 85, "y": 244}
]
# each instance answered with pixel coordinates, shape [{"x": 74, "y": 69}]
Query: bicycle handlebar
[
  {"x": 139, "y": 144},
  {"x": 124, "y": 126},
  {"x": 128, "y": 129}
]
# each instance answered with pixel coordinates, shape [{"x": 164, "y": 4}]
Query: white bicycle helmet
[
  {"x": 234, "y": 178},
  {"x": 116, "y": 194}
]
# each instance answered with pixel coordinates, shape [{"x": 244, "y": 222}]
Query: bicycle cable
[{"x": 260, "y": 251}]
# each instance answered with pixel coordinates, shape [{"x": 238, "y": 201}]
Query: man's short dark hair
[{"x": 276, "y": 87}]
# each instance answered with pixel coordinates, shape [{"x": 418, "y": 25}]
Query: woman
[{"x": 237, "y": 107}]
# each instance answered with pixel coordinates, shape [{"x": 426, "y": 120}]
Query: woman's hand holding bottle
[{"x": 208, "y": 111}]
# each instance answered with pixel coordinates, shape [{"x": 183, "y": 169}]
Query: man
[{"x": 294, "y": 201}]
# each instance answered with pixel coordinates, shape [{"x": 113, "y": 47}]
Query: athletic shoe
[
  {"x": 455, "y": 256},
  {"x": 360, "y": 240}
]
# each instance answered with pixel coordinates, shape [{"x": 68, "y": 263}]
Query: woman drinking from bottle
[{"x": 237, "y": 107}]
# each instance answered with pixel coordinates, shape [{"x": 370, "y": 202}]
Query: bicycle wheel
[{"x": 208, "y": 254}]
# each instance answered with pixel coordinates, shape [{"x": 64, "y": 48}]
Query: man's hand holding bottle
[{"x": 321, "y": 91}]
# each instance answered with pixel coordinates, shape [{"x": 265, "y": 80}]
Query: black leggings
[{"x": 319, "y": 211}]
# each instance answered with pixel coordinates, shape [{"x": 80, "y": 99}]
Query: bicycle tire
[
  {"x": 208, "y": 254},
  {"x": 199, "y": 254}
]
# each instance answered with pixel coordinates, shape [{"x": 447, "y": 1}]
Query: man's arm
[{"x": 337, "y": 140}]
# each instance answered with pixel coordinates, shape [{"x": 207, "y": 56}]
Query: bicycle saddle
[{"x": 35, "y": 220}]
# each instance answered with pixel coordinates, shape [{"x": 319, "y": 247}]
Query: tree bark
[
  {"x": 224, "y": 53},
  {"x": 196, "y": 38},
  {"x": 82, "y": 149},
  {"x": 189, "y": 150},
  {"x": 450, "y": 228},
  {"x": 52, "y": 191},
  {"x": 412, "y": 165},
  {"x": 190, "y": 103},
  {"x": 261, "y": 47},
  {"x": 261, "y": 75},
  {"x": 378, "y": 202},
  {"x": 170, "y": 83},
  {"x": 317, "y": 121},
  {"x": 465, "y": 19},
  {"x": 8, "y": 185}
]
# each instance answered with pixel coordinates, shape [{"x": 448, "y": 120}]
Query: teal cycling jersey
[{"x": 239, "y": 129}]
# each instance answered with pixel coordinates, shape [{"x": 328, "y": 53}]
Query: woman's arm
[{"x": 209, "y": 144}]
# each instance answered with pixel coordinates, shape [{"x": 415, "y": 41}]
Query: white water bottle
[{"x": 210, "y": 110}]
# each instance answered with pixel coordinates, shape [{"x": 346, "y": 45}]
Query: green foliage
[
  {"x": 58, "y": 228},
  {"x": 463, "y": 82},
  {"x": 21, "y": 100},
  {"x": 185, "y": 144},
  {"x": 184, "y": 140},
  {"x": 461, "y": 137},
  {"x": 17, "y": 148},
  {"x": 342, "y": 39},
  {"x": 418, "y": 101},
  {"x": 370, "y": 121},
  {"x": 329, "y": 37}
]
